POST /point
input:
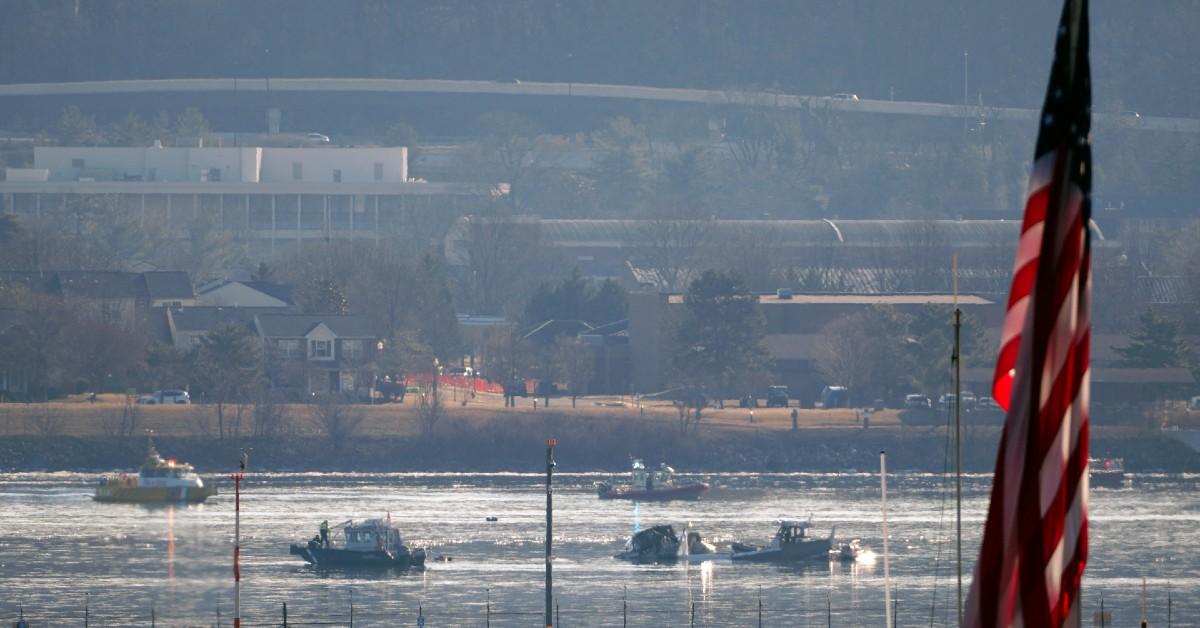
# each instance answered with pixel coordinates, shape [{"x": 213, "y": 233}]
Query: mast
[
  {"x": 958, "y": 452},
  {"x": 237, "y": 541},
  {"x": 550, "y": 464},
  {"x": 887, "y": 576}
]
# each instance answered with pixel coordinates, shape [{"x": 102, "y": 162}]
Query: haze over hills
[{"x": 902, "y": 50}]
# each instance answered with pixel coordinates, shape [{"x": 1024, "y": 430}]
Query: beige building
[{"x": 270, "y": 197}]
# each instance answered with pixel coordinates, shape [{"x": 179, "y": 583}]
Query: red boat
[{"x": 652, "y": 486}]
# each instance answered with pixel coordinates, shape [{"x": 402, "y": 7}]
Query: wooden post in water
[
  {"x": 624, "y": 607},
  {"x": 550, "y": 443},
  {"x": 237, "y": 542}
]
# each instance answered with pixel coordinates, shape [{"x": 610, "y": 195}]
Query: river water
[{"x": 60, "y": 551}]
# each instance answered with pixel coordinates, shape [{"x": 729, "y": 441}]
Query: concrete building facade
[{"x": 270, "y": 197}]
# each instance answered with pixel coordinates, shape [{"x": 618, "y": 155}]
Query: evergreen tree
[
  {"x": 720, "y": 336},
  {"x": 227, "y": 367},
  {"x": 434, "y": 316},
  {"x": 1156, "y": 343}
]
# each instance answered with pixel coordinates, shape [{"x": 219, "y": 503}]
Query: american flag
[{"x": 1035, "y": 538}]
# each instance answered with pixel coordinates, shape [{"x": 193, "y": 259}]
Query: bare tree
[
  {"x": 429, "y": 408},
  {"x": 123, "y": 423},
  {"x": 689, "y": 402},
  {"x": 671, "y": 249},
  {"x": 336, "y": 419},
  {"x": 44, "y": 421},
  {"x": 576, "y": 365},
  {"x": 843, "y": 355},
  {"x": 268, "y": 414},
  {"x": 505, "y": 260}
]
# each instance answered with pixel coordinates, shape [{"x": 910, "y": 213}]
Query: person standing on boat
[{"x": 325, "y": 533}]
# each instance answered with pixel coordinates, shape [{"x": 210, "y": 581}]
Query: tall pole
[
  {"x": 237, "y": 541},
  {"x": 887, "y": 575},
  {"x": 966, "y": 75},
  {"x": 550, "y": 443},
  {"x": 958, "y": 451}
]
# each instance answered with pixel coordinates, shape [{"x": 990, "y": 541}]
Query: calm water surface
[{"x": 59, "y": 549}]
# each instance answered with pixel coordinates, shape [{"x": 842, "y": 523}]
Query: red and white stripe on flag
[{"x": 1034, "y": 548}]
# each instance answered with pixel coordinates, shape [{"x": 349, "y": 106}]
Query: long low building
[
  {"x": 270, "y": 196},
  {"x": 795, "y": 324}
]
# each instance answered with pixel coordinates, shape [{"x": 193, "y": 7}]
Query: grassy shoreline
[{"x": 487, "y": 437}]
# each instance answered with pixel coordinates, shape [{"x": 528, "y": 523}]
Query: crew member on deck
[{"x": 325, "y": 533}]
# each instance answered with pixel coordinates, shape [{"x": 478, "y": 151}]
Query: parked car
[
  {"x": 777, "y": 397},
  {"x": 748, "y": 401},
  {"x": 917, "y": 401},
  {"x": 166, "y": 397},
  {"x": 835, "y": 397},
  {"x": 946, "y": 401}
]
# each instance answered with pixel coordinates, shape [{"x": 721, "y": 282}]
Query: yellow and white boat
[{"x": 158, "y": 482}]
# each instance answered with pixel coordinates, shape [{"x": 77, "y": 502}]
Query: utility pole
[
  {"x": 237, "y": 541},
  {"x": 550, "y": 443}
]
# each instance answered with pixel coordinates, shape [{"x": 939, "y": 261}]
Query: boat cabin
[
  {"x": 792, "y": 532},
  {"x": 650, "y": 479},
  {"x": 155, "y": 467},
  {"x": 371, "y": 535}
]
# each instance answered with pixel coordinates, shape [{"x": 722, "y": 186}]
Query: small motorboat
[
  {"x": 847, "y": 551},
  {"x": 657, "y": 544},
  {"x": 1107, "y": 472},
  {"x": 373, "y": 543},
  {"x": 791, "y": 544},
  {"x": 159, "y": 481},
  {"x": 646, "y": 485}
]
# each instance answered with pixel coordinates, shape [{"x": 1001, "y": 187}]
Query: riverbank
[{"x": 585, "y": 443}]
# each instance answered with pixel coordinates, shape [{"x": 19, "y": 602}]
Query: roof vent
[{"x": 783, "y": 293}]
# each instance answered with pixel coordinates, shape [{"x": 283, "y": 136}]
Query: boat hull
[
  {"x": 153, "y": 495},
  {"x": 336, "y": 558},
  {"x": 793, "y": 553},
  {"x": 689, "y": 491}
]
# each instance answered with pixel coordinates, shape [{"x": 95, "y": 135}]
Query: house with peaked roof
[
  {"x": 187, "y": 325},
  {"x": 119, "y": 297},
  {"x": 323, "y": 354},
  {"x": 229, "y": 292}
]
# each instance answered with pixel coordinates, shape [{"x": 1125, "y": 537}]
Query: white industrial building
[{"x": 269, "y": 196}]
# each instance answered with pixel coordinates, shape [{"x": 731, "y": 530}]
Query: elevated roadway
[{"x": 573, "y": 90}]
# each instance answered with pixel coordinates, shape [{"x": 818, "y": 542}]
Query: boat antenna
[{"x": 957, "y": 360}]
